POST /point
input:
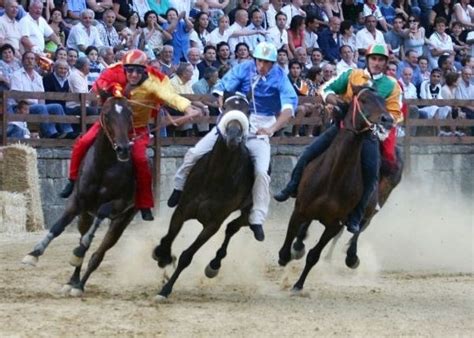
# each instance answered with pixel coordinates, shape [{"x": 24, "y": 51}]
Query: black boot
[
  {"x": 146, "y": 214},
  {"x": 284, "y": 194},
  {"x": 353, "y": 227},
  {"x": 257, "y": 232},
  {"x": 174, "y": 198},
  {"x": 67, "y": 191}
]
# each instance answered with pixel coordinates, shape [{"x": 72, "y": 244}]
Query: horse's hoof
[
  {"x": 76, "y": 292},
  {"x": 352, "y": 262},
  {"x": 66, "y": 289},
  {"x": 76, "y": 261},
  {"x": 298, "y": 292},
  {"x": 30, "y": 260},
  {"x": 160, "y": 299},
  {"x": 210, "y": 272},
  {"x": 297, "y": 254}
]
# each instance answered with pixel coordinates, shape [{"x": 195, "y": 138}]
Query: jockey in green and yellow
[{"x": 338, "y": 92}]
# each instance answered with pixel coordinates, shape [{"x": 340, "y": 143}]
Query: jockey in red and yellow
[
  {"x": 338, "y": 92},
  {"x": 146, "y": 88}
]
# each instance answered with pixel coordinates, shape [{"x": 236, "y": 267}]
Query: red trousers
[
  {"x": 387, "y": 148},
  {"x": 144, "y": 194}
]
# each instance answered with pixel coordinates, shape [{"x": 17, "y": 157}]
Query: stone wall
[{"x": 448, "y": 166}]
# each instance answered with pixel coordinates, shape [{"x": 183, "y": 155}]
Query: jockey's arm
[{"x": 394, "y": 103}]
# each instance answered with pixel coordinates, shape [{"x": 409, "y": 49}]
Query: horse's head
[
  {"x": 234, "y": 123},
  {"x": 368, "y": 111},
  {"x": 116, "y": 122}
]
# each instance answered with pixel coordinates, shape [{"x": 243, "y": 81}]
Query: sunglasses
[{"x": 136, "y": 69}]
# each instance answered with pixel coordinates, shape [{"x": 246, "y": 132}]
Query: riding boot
[
  {"x": 258, "y": 233},
  {"x": 67, "y": 191},
  {"x": 146, "y": 214},
  {"x": 319, "y": 145},
  {"x": 370, "y": 158},
  {"x": 174, "y": 198}
]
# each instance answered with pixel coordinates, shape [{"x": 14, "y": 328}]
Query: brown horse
[
  {"x": 332, "y": 184},
  {"x": 105, "y": 189},
  {"x": 219, "y": 183}
]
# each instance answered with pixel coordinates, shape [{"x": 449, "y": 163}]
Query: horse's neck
[
  {"x": 222, "y": 158},
  {"x": 102, "y": 148},
  {"x": 346, "y": 146}
]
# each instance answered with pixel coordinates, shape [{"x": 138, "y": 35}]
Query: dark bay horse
[
  {"x": 219, "y": 183},
  {"x": 105, "y": 189},
  {"x": 332, "y": 184}
]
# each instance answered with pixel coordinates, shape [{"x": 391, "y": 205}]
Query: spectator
[
  {"x": 215, "y": 10},
  {"x": 423, "y": 64},
  {"x": 72, "y": 55},
  {"x": 179, "y": 27},
  {"x": 411, "y": 61},
  {"x": 182, "y": 84},
  {"x": 293, "y": 9},
  {"x": 8, "y": 65},
  {"x": 443, "y": 9},
  {"x": 57, "y": 81},
  {"x": 296, "y": 78},
  {"x": 78, "y": 84},
  {"x": 123, "y": 10},
  {"x": 409, "y": 91},
  {"x": 19, "y": 129},
  {"x": 135, "y": 25},
  {"x": 446, "y": 64},
  {"x": 440, "y": 42},
  {"x": 208, "y": 60},
  {"x": 274, "y": 8},
  {"x": 333, "y": 9},
  {"x": 330, "y": 40},
  {"x": 166, "y": 61},
  {"x": 242, "y": 5},
  {"x": 153, "y": 35},
  {"x": 242, "y": 53},
  {"x": 199, "y": 37},
  {"x": 415, "y": 37},
  {"x": 260, "y": 34},
  {"x": 406, "y": 8},
  {"x": 26, "y": 79},
  {"x": 352, "y": 10},
  {"x": 347, "y": 60},
  {"x": 60, "y": 54},
  {"x": 371, "y": 8},
  {"x": 388, "y": 12},
  {"x": 107, "y": 32},
  {"x": 367, "y": 37},
  {"x": 329, "y": 71},
  {"x": 461, "y": 48},
  {"x": 74, "y": 10},
  {"x": 278, "y": 34},
  {"x": 431, "y": 89},
  {"x": 221, "y": 33},
  {"x": 141, "y": 7},
  {"x": 238, "y": 29},
  {"x": 9, "y": 27},
  {"x": 84, "y": 34},
  {"x": 205, "y": 86},
  {"x": 106, "y": 56},
  {"x": 464, "y": 13},
  {"x": 296, "y": 34},
  {"x": 448, "y": 92},
  {"x": 317, "y": 58},
  {"x": 314, "y": 77},
  {"x": 348, "y": 37},
  {"x": 282, "y": 60},
  {"x": 34, "y": 29},
  {"x": 95, "y": 67},
  {"x": 223, "y": 55},
  {"x": 465, "y": 91},
  {"x": 310, "y": 33},
  {"x": 20, "y": 13},
  {"x": 395, "y": 36},
  {"x": 100, "y": 7},
  {"x": 59, "y": 27},
  {"x": 194, "y": 57}
]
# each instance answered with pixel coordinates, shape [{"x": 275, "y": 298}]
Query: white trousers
[{"x": 259, "y": 149}]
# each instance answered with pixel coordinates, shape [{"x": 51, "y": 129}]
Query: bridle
[
  {"x": 107, "y": 133},
  {"x": 356, "y": 109}
]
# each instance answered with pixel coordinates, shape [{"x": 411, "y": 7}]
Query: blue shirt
[
  {"x": 21, "y": 12},
  {"x": 272, "y": 93},
  {"x": 416, "y": 79},
  {"x": 180, "y": 41}
]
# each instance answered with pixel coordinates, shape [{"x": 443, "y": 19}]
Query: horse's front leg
[
  {"x": 162, "y": 252},
  {"x": 56, "y": 230},
  {"x": 186, "y": 258},
  {"x": 285, "y": 252},
  {"x": 352, "y": 260},
  {"x": 212, "y": 269},
  {"x": 298, "y": 248},
  {"x": 116, "y": 228}
]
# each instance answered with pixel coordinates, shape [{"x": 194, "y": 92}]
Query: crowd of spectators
[{"x": 63, "y": 45}]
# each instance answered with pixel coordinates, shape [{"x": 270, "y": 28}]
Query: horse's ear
[{"x": 104, "y": 95}]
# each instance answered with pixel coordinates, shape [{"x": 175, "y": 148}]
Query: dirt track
[{"x": 250, "y": 297}]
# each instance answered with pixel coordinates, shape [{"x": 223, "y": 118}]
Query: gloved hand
[{"x": 116, "y": 90}]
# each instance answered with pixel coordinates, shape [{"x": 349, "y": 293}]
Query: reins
[{"x": 356, "y": 109}]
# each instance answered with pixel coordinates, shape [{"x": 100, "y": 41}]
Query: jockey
[
  {"x": 145, "y": 87},
  {"x": 388, "y": 88},
  {"x": 273, "y": 103}
]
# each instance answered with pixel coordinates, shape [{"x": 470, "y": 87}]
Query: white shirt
[
  {"x": 215, "y": 36},
  {"x": 311, "y": 39},
  {"x": 291, "y": 11},
  {"x": 425, "y": 92},
  {"x": 233, "y": 41},
  {"x": 10, "y": 32},
  {"x": 464, "y": 91},
  {"x": 253, "y": 40},
  {"x": 342, "y": 66},
  {"x": 409, "y": 90},
  {"x": 21, "y": 81},
  {"x": 441, "y": 42},
  {"x": 79, "y": 36},
  {"x": 278, "y": 38},
  {"x": 198, "y": 40},
  {"x": 36, "y": 31},
  {"x": 364, "y": 38},
  {"x": 367, "y": 11},
  {"x": 77, "y": 84},
  {"x": 271, "y": 12}
]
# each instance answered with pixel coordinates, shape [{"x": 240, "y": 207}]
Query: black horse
[
  {"x": 219, "y": 183},
  {"x": 105, "y": 189},
  {"x": 332, "y": 184}
]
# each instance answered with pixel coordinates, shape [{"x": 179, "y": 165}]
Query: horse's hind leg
[
  {"x": 295, "y": 223},
  {"x": 352, "y": 260},
  {"x": 162, "y": 252},
  {"x": 313, "y": 255},
  {"x": 187, "y": 256},
  {"x": 334, "y": 241},
  {"x": 212, "y": 269},
  {"x": 297, "y": 250},
  {"x": 116, "y": 228},
  {"x": 56, "y": 230}
]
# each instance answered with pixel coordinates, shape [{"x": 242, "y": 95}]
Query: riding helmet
[
  {"x": 135, "y": 57},
  {"x": 265, "y": 51}
]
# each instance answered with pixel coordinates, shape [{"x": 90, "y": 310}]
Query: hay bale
[
  {"x": 20, "y": 174},
  {"x": 12, "y": 212}
]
